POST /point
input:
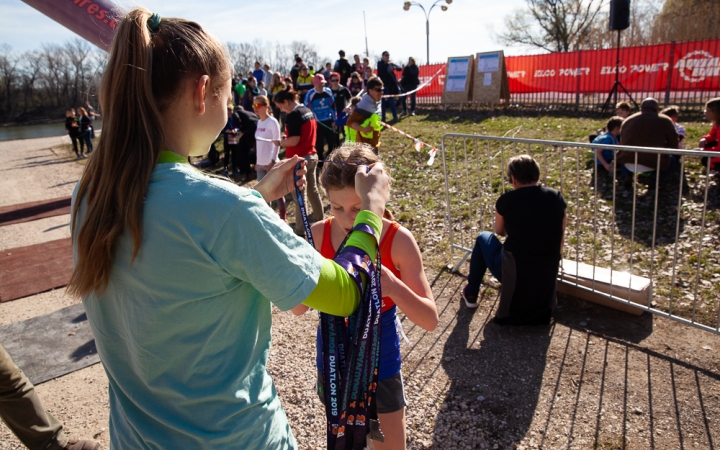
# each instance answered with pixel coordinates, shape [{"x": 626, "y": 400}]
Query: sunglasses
[
  {"x": 377, "y": 89},
  {"x": 334, "y": 80},
  {"x": 257, "y": 105}
]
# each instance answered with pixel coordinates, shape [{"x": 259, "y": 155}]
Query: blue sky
[{"x": 465, "y": 28}]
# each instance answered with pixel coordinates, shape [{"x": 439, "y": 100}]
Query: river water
[{"x": 37, "y": 131}]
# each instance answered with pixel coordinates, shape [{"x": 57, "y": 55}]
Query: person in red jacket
[{"x": 710, "y": 141}]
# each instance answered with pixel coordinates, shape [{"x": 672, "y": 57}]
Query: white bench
[{"x": 619, "y": 284}]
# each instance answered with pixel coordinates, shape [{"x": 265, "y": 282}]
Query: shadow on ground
[{"x": 595, "y": 378}]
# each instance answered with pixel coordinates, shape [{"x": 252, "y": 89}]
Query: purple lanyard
[{"x": 351, "y": 353}]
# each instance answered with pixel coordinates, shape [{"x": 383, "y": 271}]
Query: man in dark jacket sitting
[{"x": 647, "y": 128}]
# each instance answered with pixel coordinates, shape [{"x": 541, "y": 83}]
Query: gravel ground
[{"x": 594, "y": 378}]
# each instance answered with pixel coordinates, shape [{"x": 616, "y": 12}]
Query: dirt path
[{"x": 595, "y": 377}]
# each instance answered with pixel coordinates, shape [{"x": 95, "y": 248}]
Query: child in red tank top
[{"x": 403, "y": 280}]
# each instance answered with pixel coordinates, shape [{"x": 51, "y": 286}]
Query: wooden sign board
[
  {"x": 491, "y": 80},
  {"x": 458, "y": 80}
]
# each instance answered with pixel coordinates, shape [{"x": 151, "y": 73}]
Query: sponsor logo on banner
[
  {"x": 697, "y": 65},
  {"x": 516, "y": 74}
]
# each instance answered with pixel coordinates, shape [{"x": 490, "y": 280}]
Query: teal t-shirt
[{"x": 184, "y": 331}]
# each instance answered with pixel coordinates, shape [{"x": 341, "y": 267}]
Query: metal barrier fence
[{"x": 665, "y": 228}]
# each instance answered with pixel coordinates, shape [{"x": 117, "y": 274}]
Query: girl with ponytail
[{"x": 177, "y": 271}]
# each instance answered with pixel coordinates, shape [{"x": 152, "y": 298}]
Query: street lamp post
[{"x": 406, "y": 7}]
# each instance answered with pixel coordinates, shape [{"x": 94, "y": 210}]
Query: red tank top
[{"x": 327, "y": 251}]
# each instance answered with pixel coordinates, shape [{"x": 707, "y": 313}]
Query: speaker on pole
[{"x": 619, "y": 15}]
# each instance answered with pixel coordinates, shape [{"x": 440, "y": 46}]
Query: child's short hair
[
  {"x": 623, "y": 105},
  {"x": 524, "y": 169},
  {"x": 354, "y": 101},
  {"x": 614, "y": 122},
  {"x": 373, "y": 83},
  {"x": 713, "y": 105},
  {"x": 671, "y": 111}
]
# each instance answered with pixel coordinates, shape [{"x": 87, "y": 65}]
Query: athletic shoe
[{"x": 471, "y": 301}]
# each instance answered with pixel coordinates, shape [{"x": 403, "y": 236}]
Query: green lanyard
[{"x": 171, "y": 157}]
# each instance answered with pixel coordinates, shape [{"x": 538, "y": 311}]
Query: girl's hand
[
  {"x": 389, "y": 283},
  {"x": 702, "y": 143},
  {"x": 373, "y": 188},
  {"x": 279, "y": 181}
]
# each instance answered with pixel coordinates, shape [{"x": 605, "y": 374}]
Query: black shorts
[{"x": 390, "y": 394}]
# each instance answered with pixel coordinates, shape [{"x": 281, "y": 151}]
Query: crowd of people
[
  {"x": 311, "y": 114},
  {"x": 651, "y": 127}
]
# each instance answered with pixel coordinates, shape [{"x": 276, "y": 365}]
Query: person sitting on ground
[
  {"x": 710, "y": 141},
  {"x": 23, "y": 412},
  {"x": 404, "y": 285},
  {"x": 604, "y": 157},
  {"x": 647, "y": 128},
  {"x": 622, "y": 109},
  {"x": 673, "y": 112},
  {"x": 366, "y": 117},
  {"x": 533, "y": 219}
]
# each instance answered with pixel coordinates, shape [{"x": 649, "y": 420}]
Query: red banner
[
  {"x": 685, "y": 66},
  {"x": 435, "y": 89}
]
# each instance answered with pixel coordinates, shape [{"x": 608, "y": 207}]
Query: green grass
[{"x": 419, "y": 200}]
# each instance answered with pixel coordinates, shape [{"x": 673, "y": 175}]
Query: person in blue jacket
[{"x": 321, "y": 102}]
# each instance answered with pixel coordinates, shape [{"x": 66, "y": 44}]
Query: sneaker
[
  {"x": 471, "y": 301},
  {"x": 82, "y": 445},
  {"x": 412, "y": 113}
]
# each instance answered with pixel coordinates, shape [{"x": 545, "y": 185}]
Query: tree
[
  {"x": 688, "y": 20},
  {"x": 551, "y": 25},
  {"x": 643, "y": 20}
]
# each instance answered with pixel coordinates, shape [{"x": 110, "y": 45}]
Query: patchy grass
[{"x": 622, "y": 242}]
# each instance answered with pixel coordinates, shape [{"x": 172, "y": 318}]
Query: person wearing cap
[
  {"x": 343, "y": 67},
  {"x": 304, "y": 81},
  {"x": 386, "y": 72},
  {"x": 321, "y": 102}
]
